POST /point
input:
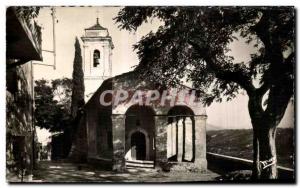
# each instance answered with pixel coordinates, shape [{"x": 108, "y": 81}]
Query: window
[
  {"x": 12, "y": 81},
  {"x": 96, "y": 58}
]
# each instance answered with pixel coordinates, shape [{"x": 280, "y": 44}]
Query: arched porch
[{"x": 139, "y": 133}]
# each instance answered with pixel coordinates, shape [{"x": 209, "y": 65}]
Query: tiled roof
[{"x": 97, "y": 26}]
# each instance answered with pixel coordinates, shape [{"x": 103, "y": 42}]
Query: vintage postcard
[{"x": 150, "y": 94}]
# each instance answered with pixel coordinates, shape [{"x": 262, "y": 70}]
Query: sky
[{"x": 71, "y": 22}]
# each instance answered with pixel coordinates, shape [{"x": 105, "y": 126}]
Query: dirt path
[{"x": 59, "y": 172}]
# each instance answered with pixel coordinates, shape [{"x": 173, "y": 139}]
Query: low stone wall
[{"x": 224, "y": 164}]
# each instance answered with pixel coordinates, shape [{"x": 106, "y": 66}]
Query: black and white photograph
[{"x": 150, "y": 94}]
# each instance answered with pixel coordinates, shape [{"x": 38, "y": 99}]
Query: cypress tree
[{"x": 78, "y": 82}]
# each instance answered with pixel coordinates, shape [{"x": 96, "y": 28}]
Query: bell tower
[{"x": 97, "y": 52}]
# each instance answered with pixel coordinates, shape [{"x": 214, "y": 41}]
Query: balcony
[{"x": 23, "y": 37}]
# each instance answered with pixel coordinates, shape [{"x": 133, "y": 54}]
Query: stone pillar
[
  {"x": 172, "y": 135},
  {"x": 118, "y": 136},
  {"x": 188, "y": 137},
  {"x": 200, "y": 142},
  {"x": 180, "y": 140},
  {"x": 161, "y": 141}
]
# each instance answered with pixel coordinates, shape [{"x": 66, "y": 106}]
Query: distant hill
[
  {"x": 238, "y": 143},
  {"x": 211, "y": 127}
]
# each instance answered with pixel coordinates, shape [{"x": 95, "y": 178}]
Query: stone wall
[
  {"x": 19, "y": 120},
  {"x": 92, "y": 140},
  {"x": 161, "y": 141},
  {"x": 200, "y": 142},
  {"x": 104, "y": 137},
  {"x": 118, "y": 133}
]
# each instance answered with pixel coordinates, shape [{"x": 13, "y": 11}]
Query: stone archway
[
  {"x": 129, "y": 142},
  {"x": 139, "y": 133},
  {"x": 181, "y": 134}
]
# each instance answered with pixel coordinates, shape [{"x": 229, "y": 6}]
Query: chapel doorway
[
  {"x": 140, "y": 133},
  {"x": 138, "y": 146}
]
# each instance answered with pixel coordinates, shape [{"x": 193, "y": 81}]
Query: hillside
[{"x": 238, "y": 143}]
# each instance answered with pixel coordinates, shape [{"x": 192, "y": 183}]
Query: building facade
[
  {"x": 23, "y": 44},
  {"x": 130, "y": 134}
]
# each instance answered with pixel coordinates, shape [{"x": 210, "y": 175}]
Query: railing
[{"x": 223, "y": 163}]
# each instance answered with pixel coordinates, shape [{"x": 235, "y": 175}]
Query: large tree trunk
[
  {"x": 265, "y": 158},
  {"x": 256, "y": 172},
  {"x": 264, "y": 148}
]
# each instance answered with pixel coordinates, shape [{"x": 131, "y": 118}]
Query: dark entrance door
[{"x": 138, "y": 146}]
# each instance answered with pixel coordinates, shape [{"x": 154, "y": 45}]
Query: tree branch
[
  {"x": 273, "y": 50},
  {"x": 232, "y": 76}
]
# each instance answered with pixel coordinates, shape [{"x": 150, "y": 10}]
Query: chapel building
[{"x": 130, "y": 134}]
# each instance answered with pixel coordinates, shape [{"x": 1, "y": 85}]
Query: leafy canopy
[
  {"x": 52, "y": 104},
  {"x": 193, "y": 43}
]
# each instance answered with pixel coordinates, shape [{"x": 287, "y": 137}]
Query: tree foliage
[
  {"x": 52, "y": 108},
  {"x": 62, "y": 89},
  {"x": 28, "y": 12},
  {"x": 193, "y": 43},
  {"x": 78, "y": 81}
]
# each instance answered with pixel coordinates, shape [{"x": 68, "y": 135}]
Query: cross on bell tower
[
  {"x": 97, "y": 52},
  {"x": 97, "y": 11}
]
